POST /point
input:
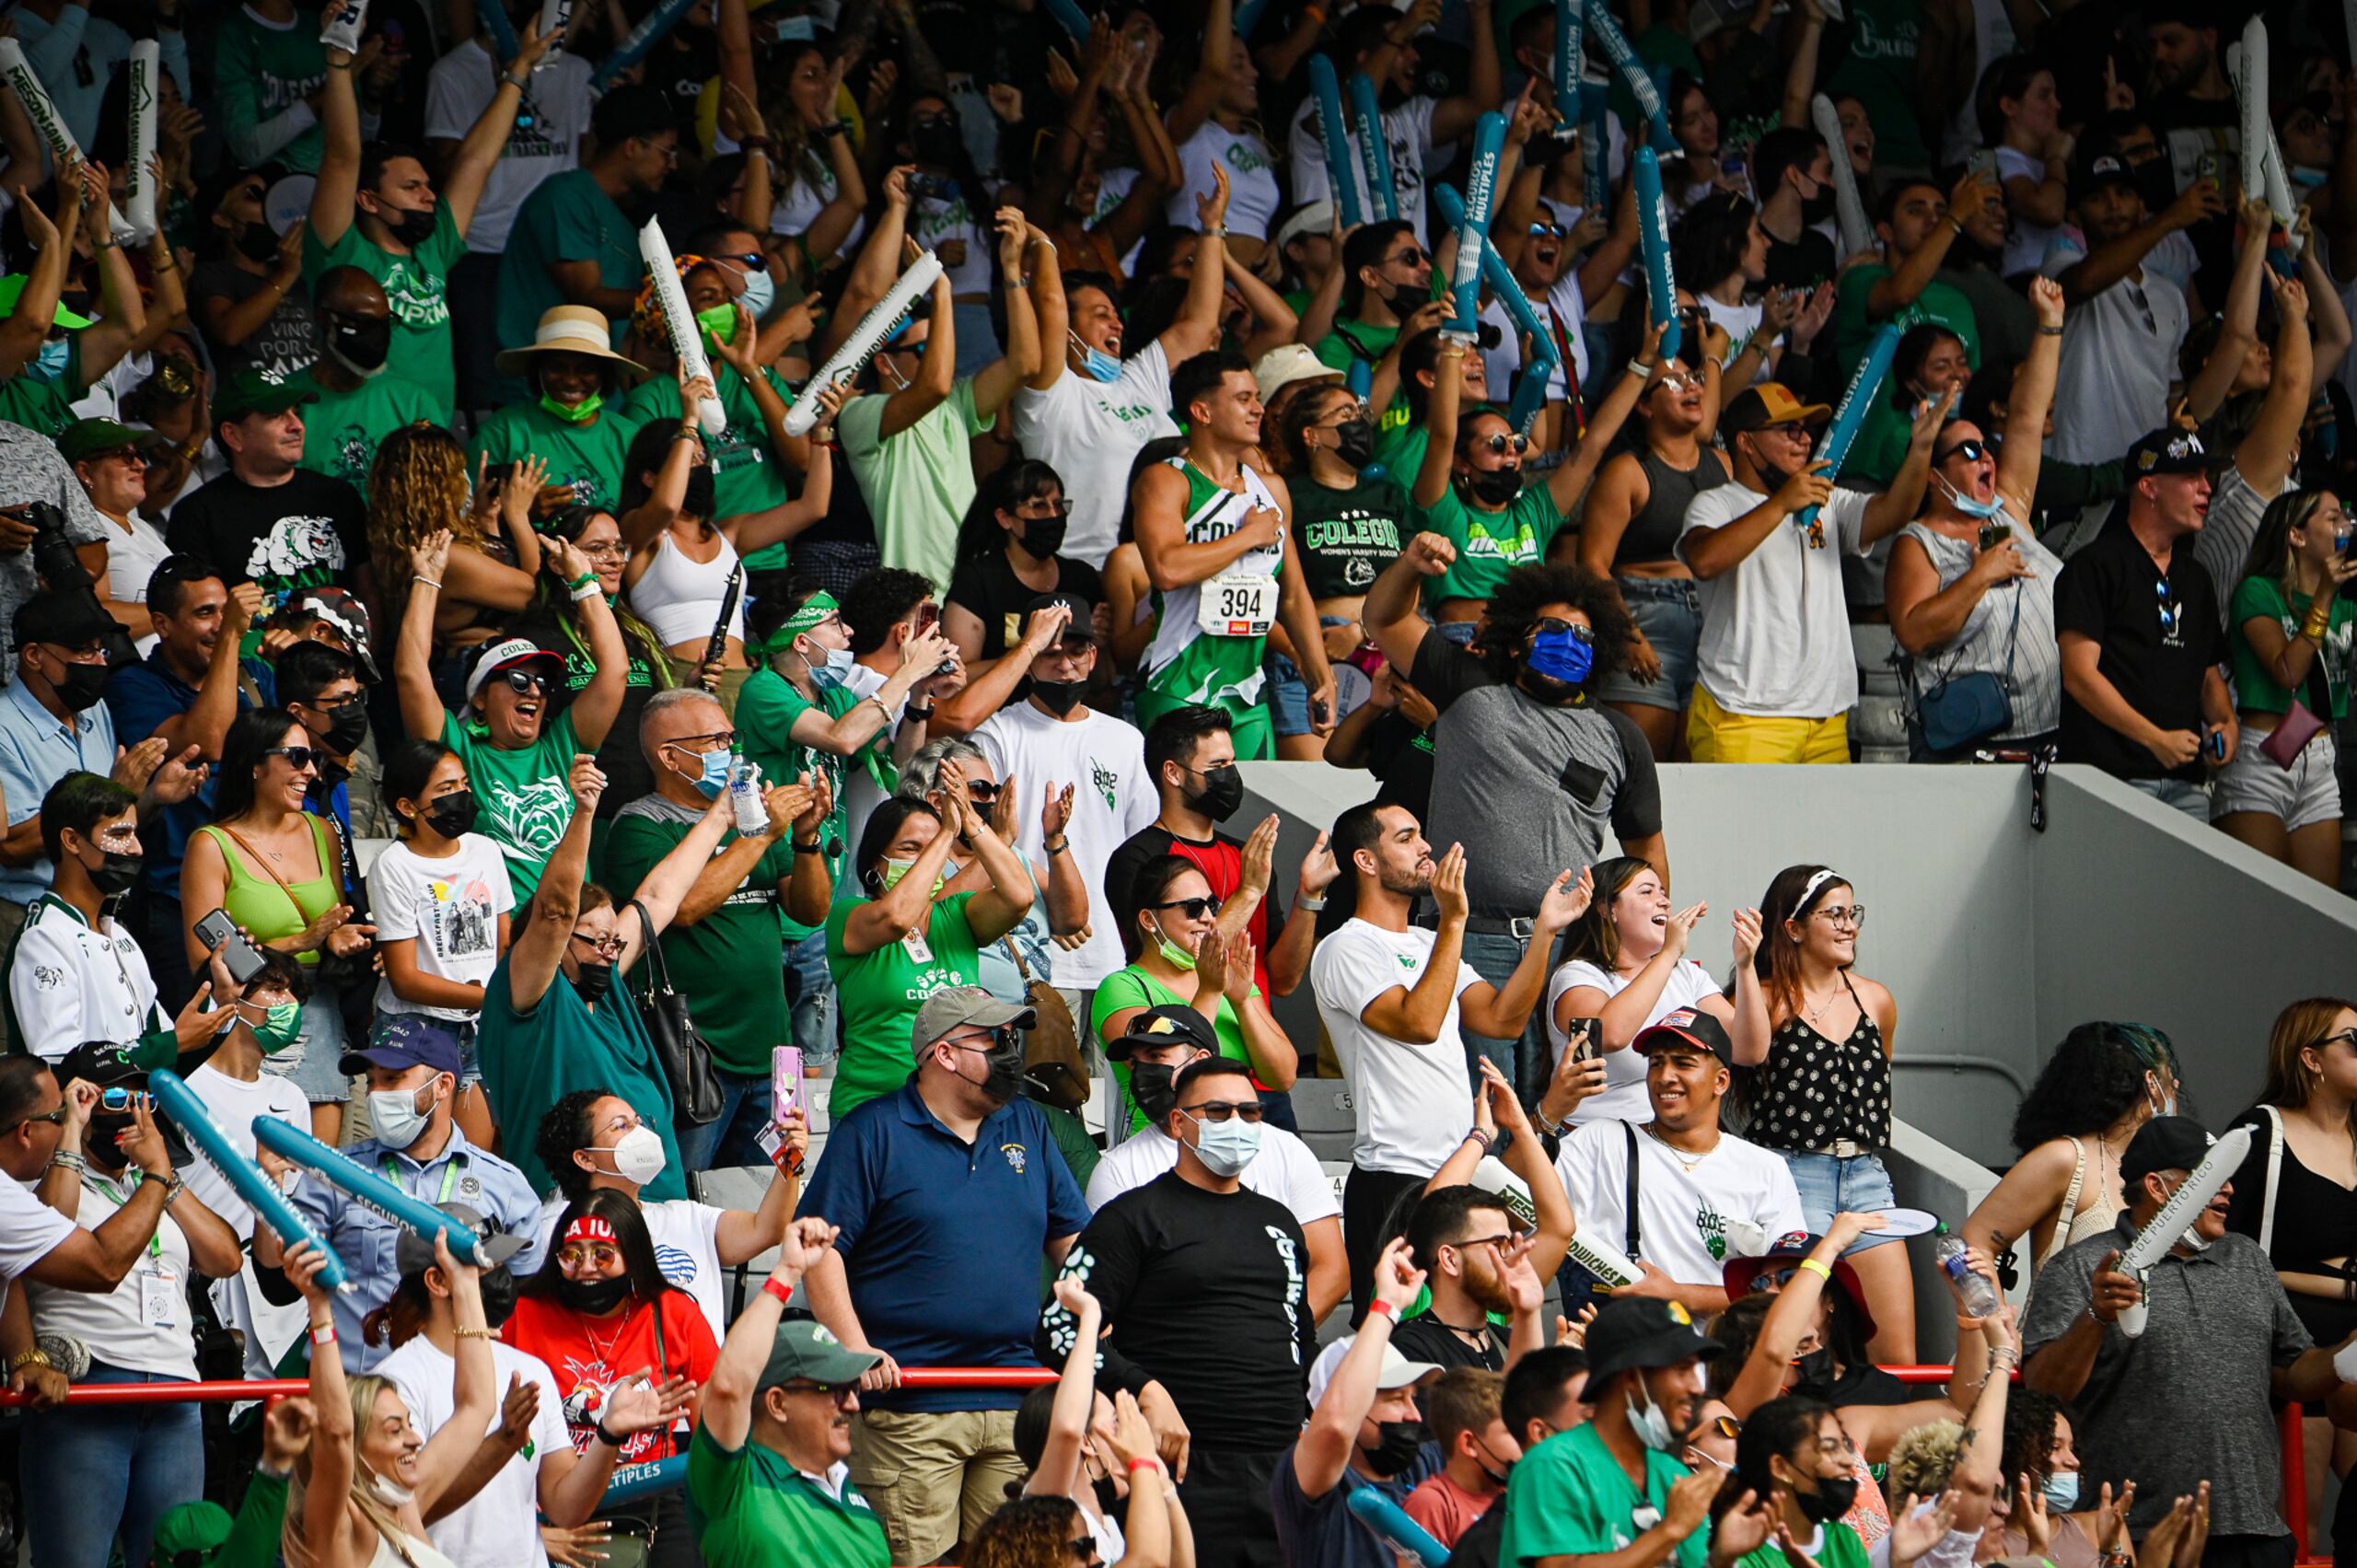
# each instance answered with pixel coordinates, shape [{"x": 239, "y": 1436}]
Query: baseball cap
[
  {"x": 956, "y": 1006},
  {"x": 1737, "y": 1274},
  {"x": 1076, "y": 629},
  {"x": 257, "y": 390},
  {"x": 413, "y": 1254},
  {"x": 12, "y": 288},
  {"x": 404, "y": 1040},
  {"x": 1160, "y": 1026},
  {"x": 803, "y": 1348},
  {"x": 2169, "y": 449},
  {"x": 1287, "y": 364},
  {"x": 1766, "y": 405},
  {"x": 511, "y": 653},
  {"x": 1397, "y": 1371},
  {"x": 1630, "y": 1332},
  {"x": 101, "y": 1063},
  {"x": 1686, "y": 1026},
  {"x": 2097, "y": 163},
  {"x": 2165, "y": 1143},
  {"x": 1310, "y": 218},
  {"x": 202, "y": 1528},
  {"x": 70, "y": 621},
  {"x": 87, "y": 438},
  {"x": 341, "y": 611}
]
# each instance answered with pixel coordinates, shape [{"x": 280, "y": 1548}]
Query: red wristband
[
  {"x": 773, "y": 1287},
  {"x": 1385, "y": 1308},
  {"x": 1149, "y": 1462}
]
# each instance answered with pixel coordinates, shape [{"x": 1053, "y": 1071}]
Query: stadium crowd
[{"x": 578, "y": 577}]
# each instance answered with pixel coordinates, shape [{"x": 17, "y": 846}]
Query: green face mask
[
  {"x": 896, "y": 869},
  {"x": 1177, "y": 957},
  {"x": 720, "y": 321},
  {"x": 575, "y": 413},
  {"x": 281, "y": 1026}
]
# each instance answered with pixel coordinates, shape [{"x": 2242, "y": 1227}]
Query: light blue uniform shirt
[{"x": 37, "y": 748}]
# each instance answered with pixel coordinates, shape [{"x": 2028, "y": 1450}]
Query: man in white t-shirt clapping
[
  {"x": 1703, "y": 1196},
  {"x": 1159, "y": 1042},
  {"x": 1393, "y": 998}
]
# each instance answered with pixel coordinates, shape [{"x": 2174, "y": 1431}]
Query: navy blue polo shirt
[{"x": 941, "y": 1238}]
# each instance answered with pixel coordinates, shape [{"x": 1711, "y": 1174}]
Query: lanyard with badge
[
  {"x": 449, "y": 1180},
  {"x": 159, "y": 1283}
]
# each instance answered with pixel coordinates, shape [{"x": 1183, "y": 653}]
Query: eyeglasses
[
  {"x": 1971, "y": 450},
  {"x": 1220, "y": 1109},
  {"x": 604, "y": 947},
  {"x": 1501, "y": 1239},
  {"x": 1831, "y": 1446},
  {"x": 1356, "y": 409},
  {"x": 56, "y": 1117},
  {"x": 302, "y": 759},
  {"x": 2346, "y": 1036},
  {"x": 2172, "y": 612},
  {"x": 524, "y": 682},
  {"x": 1500, "y": 443},
  {"x": 1854, "y": 916},
  {"x": 613, "y": 550},
  {"x": 1007, "y": 1036},
  {"x": 1193, "y": 909},
  {"x": 1084, "y": 1552},
  {"x": 933, "y": 122},
  {"x": 1060, "y": 507},
  {"x": 722, "y": 741}
]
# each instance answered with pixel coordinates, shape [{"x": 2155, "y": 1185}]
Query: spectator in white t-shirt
[
  {"x": 1159, "y": 1042},
  {"x": 1392, "y": 997},
  {"x": 441, "y": 898},
  {"x": 1702, "y": 1195},
  {"x": 592, "y": 1139},
  {"x": 541, "y": 1475},
  {"x": 1626, "y": 965}
]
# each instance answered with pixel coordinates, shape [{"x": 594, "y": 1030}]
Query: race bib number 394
[{"x": 1237, "y": 604}]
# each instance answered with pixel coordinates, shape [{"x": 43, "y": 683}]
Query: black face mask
[
  {"x": 1002, "y": 1073},
  {"x": 1407, "y": 299},
  {"x": 1154, "y": 1086},
  {"x": 360, "y": 343},
  {"x": 257, "y": 243},
  {"x": 592, "y": 1298},
  {"x": 1395, "y": 1448},
  {"x": 498, "y": 1288},
  {"x": 116, "y": 873},
  {"x": 347, "y": 726},
  {"x": 411, "y": 227},
  {"x": 1494, "y": 487},
  {"x": 1043, "y": 537},
  {"x": 1829, "y": 1501},
  {"x": 1816, "y": 1370},
  {"x": 104, "y": 1130},
  {"x": 454, "y": 813},
  {"x": 1354, "y": 442},
  {"x": 82, "y": 687},
  {"x": 938, "y": 142},
  {"x": 594, "y": 981},
  {"x": 1222, "y": 792},
  {"x": 699, "y": 501},
  {"x": 1059, "y": 697},
  {"x": 1816, "y": 209}
]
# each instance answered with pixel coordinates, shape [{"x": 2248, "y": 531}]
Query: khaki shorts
[{"x": 934, "y": 1476}]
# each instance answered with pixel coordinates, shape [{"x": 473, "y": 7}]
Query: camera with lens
[{"x": 61, "y": 569}]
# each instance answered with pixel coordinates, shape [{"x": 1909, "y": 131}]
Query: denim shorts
[
  {"x": 1288, "y": 693},
  {"x": 1668, "y": 611},
  {"x": 317, "y": 1065},
  {"x": 1830, "y": 1185}
]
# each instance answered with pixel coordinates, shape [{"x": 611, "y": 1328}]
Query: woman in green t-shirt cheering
[
  {"x": 1793, "y": 1453},
  {"x": 2293, "y": 634},
  {"x": 895, "y": 946}
]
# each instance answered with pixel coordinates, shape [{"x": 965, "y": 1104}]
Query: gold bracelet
[{"x": 476, "y": 1333}]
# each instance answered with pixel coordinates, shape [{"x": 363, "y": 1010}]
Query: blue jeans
[
  {"x": 1830, "y": 1185},
  {"x": 90, "y": 1471},
  {"x": 1529, "y": 1059},
  {"x": 727, "y": 1139},
  {"x": 2191, "y": 799},
  {"x": 810, "y": 992}
]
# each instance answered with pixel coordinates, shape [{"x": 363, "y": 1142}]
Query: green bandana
[
  {"x": 581, "y": 412},
  {"x": 815, "y": 609}
]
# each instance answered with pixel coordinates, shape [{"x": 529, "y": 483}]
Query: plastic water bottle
[
  {"x": 745, "y": 796},
  {"x": 1979, "y": 1297}
]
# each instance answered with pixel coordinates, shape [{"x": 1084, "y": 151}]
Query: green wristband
[{"x": 583, "y": 581}]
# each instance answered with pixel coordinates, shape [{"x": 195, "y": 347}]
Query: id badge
[
  {"x": 159, "y": 1294},
  {"x": 1237, "y": 604},
  {"x": 919, "y": 950}
]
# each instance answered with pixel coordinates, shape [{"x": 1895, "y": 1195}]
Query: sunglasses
[
  {"x": 1221, "y": 1109},
  {"x": 55, "y": 1116},
  {"x": 750, "y": 258},
  {"x": 1412, "y": 257},
  {"x": 2172, "y": 612},
  {"x": 524, "y": 682},
  {"x": 1516, "y": 443},
  {"x": 302, "y": 759},
  {"x": 1193, "y": 909},
  {"x": 120, "y": 1099},
  {"x": 1548, "y": 231},
  {"x": 981, "y": 791},
  {"x": 604, "y": 947},
  {"x": 1580, "y": 633},
  {"x": 1971, "y": 450},
  {"x": 835, "y": 1392}
]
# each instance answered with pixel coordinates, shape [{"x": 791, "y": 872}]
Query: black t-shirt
[
  {"x": 987, "y": 588},
  {"x": 286, "y": 342},
  {"x": 2156, "y": 647},
  {"x": 1425, "y": 1338},
  {"x": 309, "y": 532},
  {"x": 1207, "y": 1294},
  {"x": 1347, "y": 537},
  {"x": 1401, "y": 757},
  {"x": 1803, "y": 263}
]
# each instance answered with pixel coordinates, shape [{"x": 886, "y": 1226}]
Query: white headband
[{"x": 1820, "y": 880}]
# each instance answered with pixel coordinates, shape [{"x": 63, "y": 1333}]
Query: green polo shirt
[
  {"x": 587, "y": 457},
  {"x": 751, "y": 1508}
]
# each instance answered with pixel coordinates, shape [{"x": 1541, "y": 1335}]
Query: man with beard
[
  {"x": 939, "y": 1193},
  {"x": 1701, "y": 1195},
  {"x": 358, "y": 405},
  {"x": 1391, "y": 996},
  {"x": 2127, "y": 320},
  {"x": 1206, "y": 1299},
  {"x": 1611, "y": 1490},
  {"x": 1159, "y": 1044},
  {"x": 1462, "y": 1238},
  {"x": 2186, "y": 1401},
  {"x": 1776, "y": 675},
  {"x": 1518, "y": 722},
  {"x": 2192, "y": 102}
]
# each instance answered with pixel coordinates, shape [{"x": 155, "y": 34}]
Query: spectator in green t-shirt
[
  {"x": 1386, "y": 277},
  {"x": 375, "y": 208},
  {"x": 358, "y": 404},
  {"x": 571, "y": 415}
]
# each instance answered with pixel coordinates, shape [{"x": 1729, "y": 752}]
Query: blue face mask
[
  {"x": 715, "y": 777},
  {"x": 1981, "y": 510},
  {"x": 1566, "y": 655},
  {"x": 49, "y": 364},
  {"x": 2062, "y": 1491},
  {"x": 1100, "y": 366},
  {"x": 759, "y": 295},
  {"x": 836, "y": 669}
]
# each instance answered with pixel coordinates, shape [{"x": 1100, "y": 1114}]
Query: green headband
[{"x": 813, "y": 610}]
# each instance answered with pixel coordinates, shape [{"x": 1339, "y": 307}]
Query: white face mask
[
  {"x": 394, "y": 1114},
  {"x": 638, "y": 1154},
  {"x": 390, "y": 1493}
]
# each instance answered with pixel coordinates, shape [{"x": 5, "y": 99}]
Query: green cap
[
  {"x": 12, "y": 288},
  {"x": 806, "y": 1351},
  {"x": 87, "y": 438},
  {"x": 256, "y": 390},
  {"x": 200, "y": 1527},
  {"x": 812, "y": 610}
]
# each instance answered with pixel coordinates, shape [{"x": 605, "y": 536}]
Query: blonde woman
[{"x": 419, "y": 487}]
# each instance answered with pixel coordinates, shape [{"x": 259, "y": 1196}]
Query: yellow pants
[{"x": 1714, "y": 735}]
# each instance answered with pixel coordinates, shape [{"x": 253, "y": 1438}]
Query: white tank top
[{"x": 680, "y": 599}]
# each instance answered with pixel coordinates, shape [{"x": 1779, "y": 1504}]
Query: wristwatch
[{"x": 33, "y": 1358}]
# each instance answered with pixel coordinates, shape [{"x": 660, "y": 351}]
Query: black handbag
[
  {"x": 696, "y": 1096},
  {"x": 1963, "y": 708}
]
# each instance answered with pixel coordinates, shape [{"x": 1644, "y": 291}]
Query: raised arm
[
  {"x": 663, "y": 888},
  {"x": 421, "y": 710},
  {"x": 556, "y": 903},
  {"x": 1440, "y": 424},
  {"x": 1058, "y": 1471},
  {"x": 726, "y": 1413},
  {"x": 327, "y": 1497},
  {"x": 2108, "y": 264},
  {"x": 2238, "y": 322},
  {"x": 1212, "y": 67},
  {"x": 2031, "y": 399},
  {"x": 1389, "y": 612},
  {"x": 1196, "y": 328},
  {"x": 462, "y": 184},
  {"x": 338, "y": 179},
  {"x": 28, "y": 324},
  {"x": 996, "y": 383},
  {"x": 1906, "y": 284},
  {"x": 2264, "y": 455},
  {"x": 474, "y": 1385},
  {"x": 998, "y": 909},
  {"x": 1570, "y": 480},
  {"x": 1054, "y": 315}
]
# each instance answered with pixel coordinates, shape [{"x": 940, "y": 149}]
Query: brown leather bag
[{"x": 1052, "y": 1058}]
